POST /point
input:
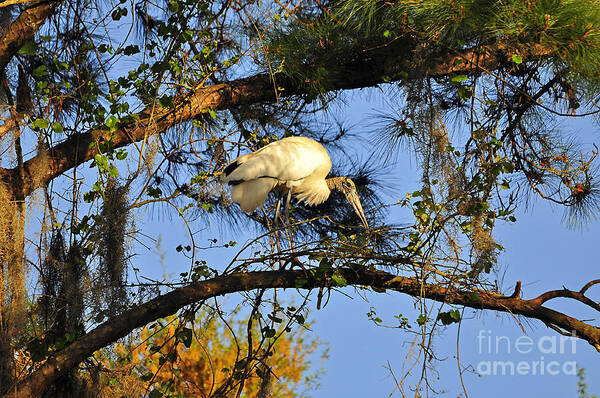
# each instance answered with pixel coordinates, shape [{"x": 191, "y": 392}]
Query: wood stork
[{"x": 297, "y": 165}]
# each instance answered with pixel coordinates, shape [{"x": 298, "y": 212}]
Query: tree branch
[
  {"x": 588, "y": 285},
  {"x": 76, "y": 150},
  {"x": 24, "y": 28},
  {"x": 565, "y": 293},
  {"x": 169, "y": 303}
]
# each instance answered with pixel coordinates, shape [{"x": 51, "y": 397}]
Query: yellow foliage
[{"x": 134, "y": 369}]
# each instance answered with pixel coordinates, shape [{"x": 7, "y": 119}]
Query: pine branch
[{"x": 76, "y": 149}]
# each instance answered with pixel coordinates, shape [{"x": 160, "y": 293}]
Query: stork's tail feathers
[
  {"x": 230, "y": 167},
  {"x": 252, "y": 194}
]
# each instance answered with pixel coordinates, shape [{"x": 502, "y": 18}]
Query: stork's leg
[
  {"x": 287, "y": 208},
  {"x": 276, "y": 222}
]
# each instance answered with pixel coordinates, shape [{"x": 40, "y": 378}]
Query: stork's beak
[{"x": 354, "y": 200}]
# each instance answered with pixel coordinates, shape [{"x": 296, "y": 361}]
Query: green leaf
[
  {"x": 325, "y": 264},
  {"x": 517, "y": 59},
  {"x": 154, "y": 192},
  {"x": 61, "y": 65},
  {"x": 112, "y": 123},
  {"x": 104, "y": 48},
  {"x": 40, "y": 71},
  {"x": 166, "y": 101},
  {"x": 101, "y": 162},
  {"x": 29, "y": 48},
  {"x": 269, "y": 332},
  {"x": 301, "y": 282},
  {"x": 185, "y": 336},
  {"x": 458, "y": 79},
  {"x": 174, "y": 6},
  {"x": 455, "y": 314},
  {"x": 121, "y": 154},
  {"x": 40, "y": 124},
  {"x": 465, "y": 226},
  {"x": 57, "y": 127},
  {"x": 187, "y": 35},
  {"x": 118, "y": 13},
  {"x": 447, "y": 318},
  {"x": 89, "y": 197},
  {"x": 473, "y": 297},
  {"x": 464, "y": 93},
  {"x": 339, "y": 280},
  {"x": 131, "y": 49},
  {"x": 274, "y": 318},
  {"x": 386, "y": 33},
  {"x": 508, "y": 167}
]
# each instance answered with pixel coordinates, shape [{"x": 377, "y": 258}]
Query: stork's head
[{"x": 347, "y": 187}]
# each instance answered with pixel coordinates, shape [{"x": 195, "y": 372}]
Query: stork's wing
[
  {"x": 252, "y": 194},
  {"x": 289, "y": 159}
]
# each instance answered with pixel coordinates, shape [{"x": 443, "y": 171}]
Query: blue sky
[
  {"x": 541, "y": 253},
  {"x": 540, "y": 250}
]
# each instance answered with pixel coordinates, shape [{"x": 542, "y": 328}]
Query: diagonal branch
[
  {"x": 379, "y": 68},
  {"x": 169, "y": 303},
  {"x": 24, "y": 28}
]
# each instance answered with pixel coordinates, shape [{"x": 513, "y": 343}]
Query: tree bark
[
  {"x": 76, "y": 150},
  {"x": 378, "y": 67},
  {"x": 24, "y": 28},
  {"x": 169, "y": 303}
]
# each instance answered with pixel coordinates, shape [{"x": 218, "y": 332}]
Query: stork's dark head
[{"x": 347, "y": 187}]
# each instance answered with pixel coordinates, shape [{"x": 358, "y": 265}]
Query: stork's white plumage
[{"x": 298, "y": 164}]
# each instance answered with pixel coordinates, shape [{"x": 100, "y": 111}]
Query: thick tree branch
[
  {"x": 378, "y": 68},
  {"x": 167, "y": 304},
  {"x": 24, "y": 28}
]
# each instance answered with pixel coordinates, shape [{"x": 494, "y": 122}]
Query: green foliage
[
  {"x": 582, "y": 386},
  {"x": 447, "y": 318},
  {"x": 319, "y": 52},
  {"x": 108, "y": 91}
]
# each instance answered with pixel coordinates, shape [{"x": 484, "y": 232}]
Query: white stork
[{"x": 297, "y": 165}]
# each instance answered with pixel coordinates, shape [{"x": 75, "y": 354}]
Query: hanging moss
[
  {"x": 112, "y": 226},
  {"x": 12, "y": 279}
]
